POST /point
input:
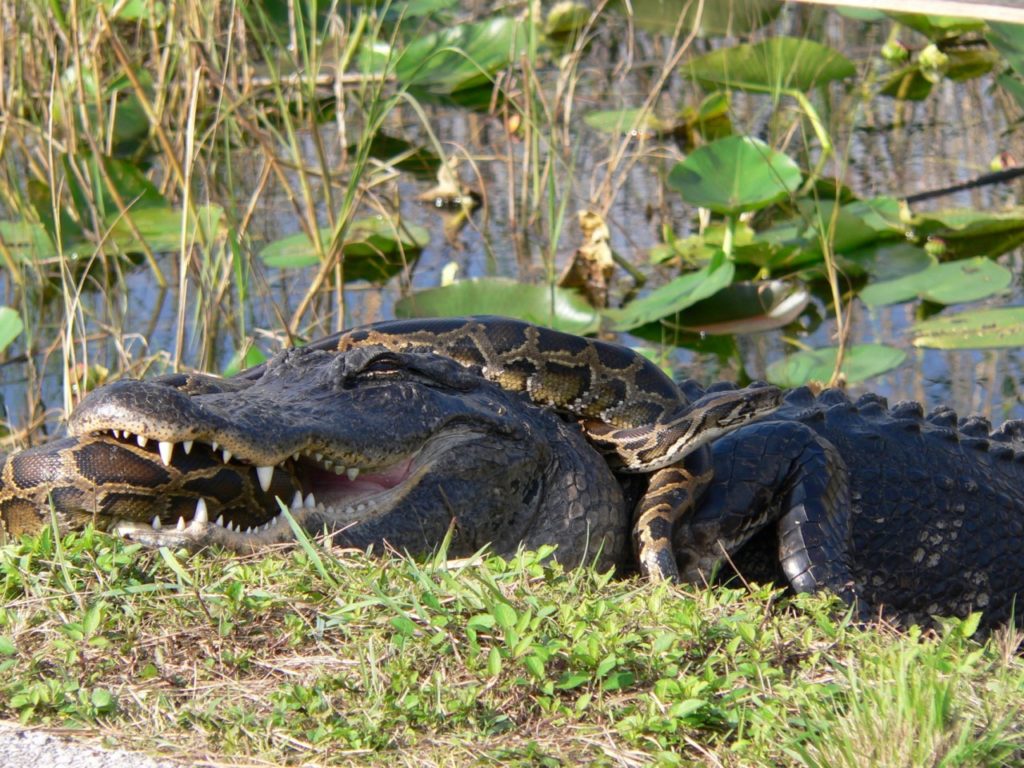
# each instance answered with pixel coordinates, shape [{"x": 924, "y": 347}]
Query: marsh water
[{"x": 885, "y": 148}]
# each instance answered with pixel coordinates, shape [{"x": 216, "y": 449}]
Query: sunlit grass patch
[{"x": 284, "y": 659}]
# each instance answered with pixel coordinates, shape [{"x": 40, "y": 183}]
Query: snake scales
[{"x": 627, "y": 408}]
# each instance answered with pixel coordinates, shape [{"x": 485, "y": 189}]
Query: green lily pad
[
  {"x": 954, "y": 282},
  {"x": 860, "y": 362},
  {"x": 1008, "y": 39},
  {"x": 542, "y": 304},
  {"x": 11, "y": 326},
  {"x": 462, "y": 56},
  {"x": 376, "y": 248},
  {"x": 773, "y": 65},
  {"x": 970, "y": 232},
  {"x": 746, "y": 307},
  {"x": 735, "y": 174},
  {"x": 938, "y": 27},
  {"x": 978, "y": 329},
  {"x": 160, "y": 228},
  {"x": 26, "y": 241},
  {"x": 678, "y": 294},
  {"x": 887, "y": 260},
  {"x": 722, "y": 17}
]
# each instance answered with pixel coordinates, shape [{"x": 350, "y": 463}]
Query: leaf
[
  {"x": 542, "y": 304},
  {"x": 970, "y": 232},
  {"x": 773, "y": 65},
  {"x": 735, "y": 174},
  {"x": 160, "y": 228},
  {"x": 674, "y": 296},
  {"x": 955, "y": 282},
  {"x": 26, "y": 241},
  {"x": 462, "y": 56},
  {"x": 977, "y": 329},
  {"x": 11, "y": 326},
  {"x": 860, "y": 362},
  {"x": 1008, "y": 39},
  {"x": 889, "y": 260},
  {"x": 747, "y": 307},
  {"x": 375, "y": 248},
  {"x": 722, "y": 17}
]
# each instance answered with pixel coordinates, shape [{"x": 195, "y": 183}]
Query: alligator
[{"x": 404, "y": 434}]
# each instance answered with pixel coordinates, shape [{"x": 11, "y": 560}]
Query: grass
[{"x": 310, "y": 655}]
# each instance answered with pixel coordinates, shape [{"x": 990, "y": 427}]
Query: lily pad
[
  {"x": 160, "y": 228},
  {"x": 542, "y": 304},
  {"x": 735, "y": 174},
  {"x": 954, "y": 282},
  {"x": 26, "y": 241},
  {"x": 773, "y": 65},
  {"x": 746, "y": 307},
  {"x": 977, "y": 329},
  {"x": 722, "y": 17},
  {"x": 888, "y": 260},
  {"x": 969, "y": 232},
  {"x": 376, "y": 248},
  {"x": 678, "y": 294},
  {"x": 860, "y": 362},
  {"x": 11, "y": 326},
  {"x": 462, "y": 56}
]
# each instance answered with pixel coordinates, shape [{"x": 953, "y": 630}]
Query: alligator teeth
[
  {"x": 230, "y": 526},
  {"x": 125, "y": 434},
  {"x": 297, "y": 501},
  {"x": 310, "y": 502},
  {"x": 295, "y": 456},
  {"x": 181, "y": 524},
  {"x": 214, "y": 446},
  {"x": 339, "y": 470},
  {"x": 141, "y": 441},
  {"x": 201, "y": 515},
  {"x": 166, "y": 450},
  {"x": 156, "y": 522},
  {"x": 219, "y": 521},
  {"x": 227, "y": 455},
  {"x": 265, "y": 475},
  {"x": 319, "y": 456},
  {"x": 352, "y": 472},
  {"x": 187, "y": 445}
]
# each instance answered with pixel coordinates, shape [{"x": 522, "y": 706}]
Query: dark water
[{"x": 892, "y": 149}]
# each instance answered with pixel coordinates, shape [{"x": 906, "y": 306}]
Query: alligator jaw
[{"x": 330, "y": 496}]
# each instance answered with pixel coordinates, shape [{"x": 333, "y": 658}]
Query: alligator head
[{"x": 371, "y": 445}]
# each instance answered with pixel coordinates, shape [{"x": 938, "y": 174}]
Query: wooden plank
[{"x": 1012, "y": 13}]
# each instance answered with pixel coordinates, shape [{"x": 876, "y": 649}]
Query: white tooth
[
  {"x": 319, "y": 456},
  {"x": 187, "y": 445},
  {"x": 360, "y": 508},
  {"x": 352, "y": 472},
  {"x": 126, "y": 434},
  {"x": 339, "y": 470},
  {"x": 166, "y": 450},
  {"x": 227, "y": 455},
  {"x": 181, "y": 524},
  {"x": 265, "y": 475},
  {"x": 349, "y": 511},
  {"x": 248, "y": 530},
  {"x": 115, "y": 432},
  {"x": 214, "y": 446},
  {"x": 219, "y": 521},
  {"x": 201, "y": 515},
  {"x": 295, "y": 456},
  {"x": 141, "y": 441},
  {"x": 327, "y": 464},
  {"x": 297, "y": 501},
  {"x": 230, "y": 526},
  {"x": 156, "y": 522},
  {"x": 310, "y": 502}
]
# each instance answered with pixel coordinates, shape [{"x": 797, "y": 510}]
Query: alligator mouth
[{"x": 308, "y": 483}]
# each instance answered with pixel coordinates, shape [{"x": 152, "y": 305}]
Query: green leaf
[
  {"x": 7, "y": 646},
  {"x": 970, "y": 232},
  {"x": 889, "y": 260},
  {"x": 954, "y": 282},
  {"x": 773, "y": 65},
  {"x": 748, "y": 307},
  {"x": 735, "y": 174},
  {"x": 462, "y": 56},
  {"x": 26, "y": 241},
  {"x": 938, "y": 27},
  {"x": 11, "y": 326},
  {"x": 161, "y": 228},
  {"x": 375, "y": 248},
  {"x": 978, "y": 329},
  {"x": 721, "y": 17},
  {"x": 542, "y": 304},
  {"x": 674, "y": 296},
  {"x": 860, "y": 362}
]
